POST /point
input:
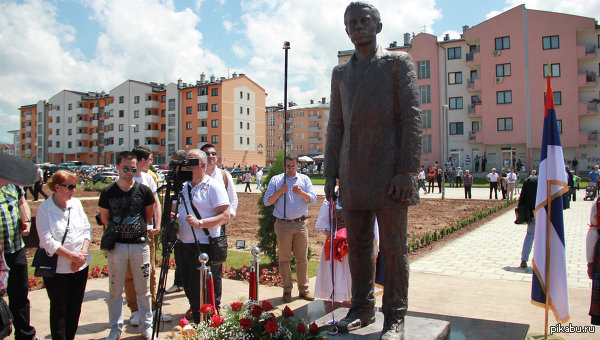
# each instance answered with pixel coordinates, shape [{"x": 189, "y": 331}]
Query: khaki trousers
[
  {"x": 129, "y": 287},
  {"x": 292, "y": 237}
]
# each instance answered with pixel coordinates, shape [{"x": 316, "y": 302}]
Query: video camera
[{"x": 176, "y": 174}]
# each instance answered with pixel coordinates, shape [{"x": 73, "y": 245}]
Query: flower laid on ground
[
  {"x": 251, "y": 320},
  {"x": 267, "y": 277}
]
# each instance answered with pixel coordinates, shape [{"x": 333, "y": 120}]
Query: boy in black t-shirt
[{"x": 128, "y": 205}]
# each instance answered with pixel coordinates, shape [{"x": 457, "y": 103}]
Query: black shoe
[
  {"x": 392, "y": 329},
  {"x": 356, "y": 319}
]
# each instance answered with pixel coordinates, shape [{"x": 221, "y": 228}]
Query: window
[
  {"x": 69, "y": 132},
  {"x": 188, "y": 95},
  {"x": 241, "y": 110},
  {"x": 202, "y": 91},
  {"x": 241, "y": 95},
  {"x": 271, "y": 119},
  {"x": 426, "y": 143},
  {"x": 214, "y": 107},
  {"x": 163, "y": 113},
  {"x": 69, "y": 120},
  {"x": 559, "y": 124},
  {"x": 248, "y": 111},
  {"x": 203, "y": 107},
  {"x": 454, "y": 78},
  {"x": 121, "y": 99},
  {"x": 69, "y": 145},
  {"x": 504, "y": 97},
  {"x": 454, "y": 53},
  {"x": 214, "y": 92},
  {"x": 57, "y": 144},
  {"x": 136, "y": 114},
  {"x": 188, "y": 125},
  {"x": 456, "y": 103},
  {"x": 58, "y": 132},
  {"x": 188, "y": 110},
  {"x": 241, "y": 140},
  {"x": 502, "y": 70},
  {"x": 456, "y": 128},
  {"x": 203, "y": 123},
  {"x": 163, "y": 98},
  {"x": 163, "y": 142},
  {"x": 121, "y": 113},
  {"x": 121, "y": 127},
  {"x": 248, "y": 141},
  {"x": 57, "y": 119},
  {"x": 241, "y": 125},
  {"x": 121, "y": 141},
  {"x": 475, "y": 126},
  {"x": 171, "y": 104},
  {"x": 505, "y": 124},
  {"x": 136, "y": 99},
  {"x": 555, "y": 70},
  {"x": 426, "y": 119},
  {"x": 425, "y": 93},
  {"x": 550, "y": 42},
  {"x": 557, "y": 97},
  {"x": 423, "y": 68},
  {"x": 503, "y": 43},
  {"x": 248, "y": 96},
  {"x": 203, "y": 139},
  {"x": 70, "y": 107},
  {"x": 214, "y": 123},
  {"x": 188, "y": 140},
  {"x": 247, "y": 126}
]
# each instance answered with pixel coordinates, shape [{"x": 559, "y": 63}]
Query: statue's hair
[{"x": 363, "y": 4}]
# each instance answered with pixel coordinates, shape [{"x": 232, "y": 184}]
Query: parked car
[
  {"x": 237, "y": 174},
  {"x": 51, "y": 170},
  {"x": 104, "y": 177}
]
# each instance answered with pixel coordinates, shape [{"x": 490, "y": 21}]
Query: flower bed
[{"x": 267, "y": 277}]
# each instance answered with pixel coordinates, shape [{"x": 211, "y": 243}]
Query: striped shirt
[{"x": 11, "y": 238}]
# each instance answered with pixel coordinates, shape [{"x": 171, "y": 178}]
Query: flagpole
[{"x": 548, "y": 225}]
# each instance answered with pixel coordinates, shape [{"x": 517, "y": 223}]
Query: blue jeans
[
  {"x": 528, "y": 242},
  {"x": 138, "y": 256}
]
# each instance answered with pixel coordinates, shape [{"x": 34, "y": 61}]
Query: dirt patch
[{"x": 429, "y": 216}]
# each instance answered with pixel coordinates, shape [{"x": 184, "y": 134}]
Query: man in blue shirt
[
  {"x": 593, "y": 176},
  {"x": 290, "y": 224}
]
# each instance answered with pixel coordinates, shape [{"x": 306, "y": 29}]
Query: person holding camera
[
  {"x": 128, "y": 206},
  {"x": 59, "y": 217},
  {"x": 527, "y": 198},
  {"x": 204, "y": 204}
]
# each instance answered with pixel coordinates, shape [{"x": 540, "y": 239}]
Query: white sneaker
[
  {"x": 164, "y": 317},
  {"x": 134, "y": 320},
  {"x": 114, "y": 334},
  {"x": 174, "y": 289},
  {"x": 147, "y": 333}
]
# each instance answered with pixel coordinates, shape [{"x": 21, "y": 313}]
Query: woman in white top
[{"x": 60, "y": 214}]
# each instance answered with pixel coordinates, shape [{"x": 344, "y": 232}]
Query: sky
[{"x": 47, "y": 46}]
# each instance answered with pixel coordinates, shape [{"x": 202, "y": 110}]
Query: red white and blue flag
[{"x": 551, "y": 174}]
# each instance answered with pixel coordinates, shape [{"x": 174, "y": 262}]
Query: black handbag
[
  {"x": 218, "y": 245},
  {"x": 6, "y": 319},
  {"x": 111, "y": 232},
  {"x": 45, "y": 265},
  {"x": 522, "y": 214}
]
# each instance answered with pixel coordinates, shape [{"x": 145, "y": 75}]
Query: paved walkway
[{"x": 475, "y": 276}]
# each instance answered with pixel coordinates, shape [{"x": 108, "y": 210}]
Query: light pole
[
  {"x": 446, "y": 148},
  {"x": 129, "y": 137}
]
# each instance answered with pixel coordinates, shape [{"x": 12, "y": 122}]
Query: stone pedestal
[{"x": 415, "y": 328}]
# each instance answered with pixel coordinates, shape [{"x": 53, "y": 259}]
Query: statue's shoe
[
  {"x": 356, "y": 319},
  {"x": 393, "y": 329}
]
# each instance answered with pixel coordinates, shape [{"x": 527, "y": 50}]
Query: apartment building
[
  {"x": 94, "y": 127},
  {"x": 306, "y": 129},
  {"x": 484, "y": 93}
]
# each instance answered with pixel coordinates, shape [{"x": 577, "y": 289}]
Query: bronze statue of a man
[{"x": 374, "y": 149}]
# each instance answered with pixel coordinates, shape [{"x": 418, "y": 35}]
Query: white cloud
[
  {"x": 451, "y": 33},
  {"x": 582, "y": 8},
  {"x": 315, "y": 30},
  {"x": 228, "y": 25}
]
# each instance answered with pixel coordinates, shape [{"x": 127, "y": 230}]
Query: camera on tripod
[{"x": 176, "y": 174}]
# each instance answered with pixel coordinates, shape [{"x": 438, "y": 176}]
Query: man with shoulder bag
[
  {"x": 527, "y": 199},
  {"x": 203, "y": 209},
  {"x": 126, "y": 207}
]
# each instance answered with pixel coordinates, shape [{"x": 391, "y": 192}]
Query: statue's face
[{"x": 361, "y": 26}]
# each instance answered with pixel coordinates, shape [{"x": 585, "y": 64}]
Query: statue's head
[{"x": 362, "y": 21}]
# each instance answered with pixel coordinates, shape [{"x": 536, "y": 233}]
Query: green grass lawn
[{"x": 235, "y": 259}]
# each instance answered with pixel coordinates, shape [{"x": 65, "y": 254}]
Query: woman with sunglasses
[{"x": 61, "y": 214}]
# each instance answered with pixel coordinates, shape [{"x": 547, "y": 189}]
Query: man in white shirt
[
  {"x": 512, "y": 180},
  {"x": 493, "y": 179},
  {"x": 259, "y": 175},
  {"x": 222, "y": 175}
]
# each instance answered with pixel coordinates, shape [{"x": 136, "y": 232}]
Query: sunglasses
[
  {"x": 133, "y": 170},
  {"x": 211, "y": 153},
  {"x": 69, "y": 186}
]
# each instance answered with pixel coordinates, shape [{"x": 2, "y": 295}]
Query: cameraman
[{"x": 210, "y": 199}]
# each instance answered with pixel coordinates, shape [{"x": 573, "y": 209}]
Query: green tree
[{"x": 267, "y": 240}]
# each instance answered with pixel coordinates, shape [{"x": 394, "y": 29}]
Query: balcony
[
  {"x": 95, "y": 110},
  {"x": 153, "y": 147},
  {"x": 315, "y": 118},
  {"x": 587, "y": 79},
  {"x": 28, "y": 129},
  {"x": 82, "y": 123},
  {"x": 95, "y": 123},
  {"x": 151, "y": 134},
  {"x": 203, "y": 130},
  {"x": 203, "y": 99},
  {"x": 475, "y": 137},
  {"x": 315, "y": 129},
  {"x": 151, "y": 104},
  {"x": 317, "y": 150},
  {"x": 28, "y": 118},
  {"x": 475, "y": 110},
  {"x": 95, "y": 136},
  {"x": 82, "y": 136},
  {"x": 81, "y": 149},
  {"x": 588, "y": 109},
  {"x": 152, "y": 119},
  {"x": 27, "y": 152},
  {"x": 314, "y": 140},
  {"x": 473, "y": 59},
  {"x": 95, "y": 148},
  {"x": 473, "y": 85},
  {"x": 28, "y": 140},
  {"x": 202, "y": 115},
  {"x": 588, "y": 137},
  {"x": 80, "y": 111},
  {"x": 586, "y": 51}
]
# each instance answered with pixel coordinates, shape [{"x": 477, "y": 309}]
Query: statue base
[{"x": 414, "y": 327}]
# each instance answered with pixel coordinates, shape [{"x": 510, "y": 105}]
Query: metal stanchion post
[
  {"x": 254, "y": 274},
  {"x": 203, "y": 258}
]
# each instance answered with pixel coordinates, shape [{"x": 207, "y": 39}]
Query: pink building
[{"x": 484, "y": 93}]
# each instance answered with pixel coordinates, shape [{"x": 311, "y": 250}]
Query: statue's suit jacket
[{"x": 374, "y": 130}]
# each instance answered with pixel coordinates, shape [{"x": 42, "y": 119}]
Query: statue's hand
[
  {"x": 330, "y": 187},
  {"x": 401, "y": 187}
]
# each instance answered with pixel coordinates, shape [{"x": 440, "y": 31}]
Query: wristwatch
[{"x": 201, "y": 221}]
